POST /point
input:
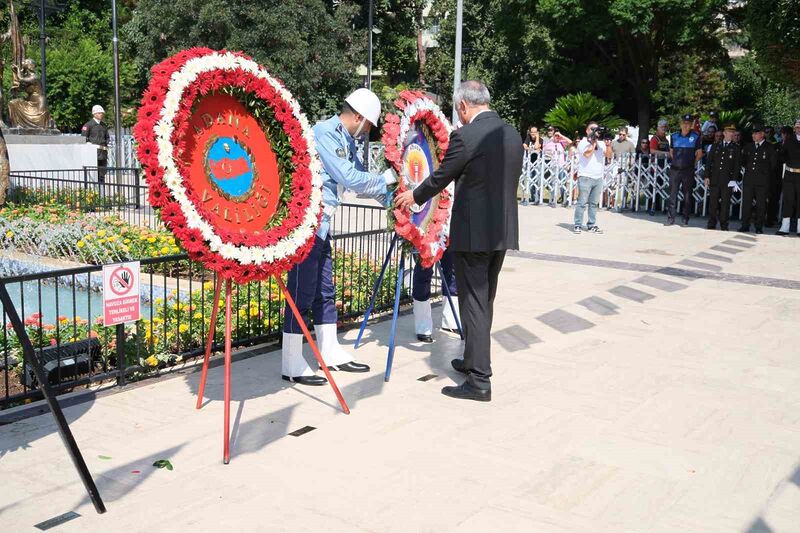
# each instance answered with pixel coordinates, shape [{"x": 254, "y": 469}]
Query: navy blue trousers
[
  {"x": 311, "y": 285},
  {"x": 421, "y": 290}
]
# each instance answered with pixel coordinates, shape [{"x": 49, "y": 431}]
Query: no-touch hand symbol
[{"x": 121, "y": 280}]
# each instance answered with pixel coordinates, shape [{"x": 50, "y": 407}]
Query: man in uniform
[
  {"x": 686, "y": 149},
  {"x": 96, "y": 132},
  {"x": 790, "y": 155},
  {"x": 759, "y": 160},
  {"x": 774, "y": 187},
  {"x": 722, "y": 171},
  {"x": 421, "y": 292},
  {"x": 311, "y": 282}
]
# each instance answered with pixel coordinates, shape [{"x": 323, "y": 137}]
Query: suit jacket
[
  {"x": 723, "y": 164},
  {"x": 485, "y": 160},
  {"x": 759, "y": 163}
]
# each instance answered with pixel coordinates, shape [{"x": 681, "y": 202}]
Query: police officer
[
  {"x": 686, "y": 149},
  {"x": 421, "y": 293},
  {"x": 722, "y": 171},
  {"x": 759, "y": 160},
  {"x": 311, "y": 282},
  {"x": 774, "y": 188},
  {"x": 96, "y": 132},
  {"x": 790, "y": 155}
]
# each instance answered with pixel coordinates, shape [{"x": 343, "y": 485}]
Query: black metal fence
[
  {"x": 62, "y": 309},
  {"x": 106, "y": 190}
]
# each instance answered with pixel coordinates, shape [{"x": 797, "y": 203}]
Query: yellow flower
[
  {"x": 101, "y": 233},
  {"x": 254, "y": 311},
  {"x": 165, "y": 250},
  {"x": 242, "y": 313},
  {"x": 183, "y": 328},
  {"x": 100, "y": 241},
  {"x": 81, "y": 244},
  {"x": 112, "y": 238},
  {"x": 9, "y": 234},
  {"x": 198, "y": 315},
  {"x": 151, "y": 239},
  {"x": 151, "y": 361},
  {"x": 208, "y": 285},
  {"x": 127, "y": 241}
]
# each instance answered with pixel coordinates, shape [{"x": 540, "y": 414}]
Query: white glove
[
  {"x": 733, "y": 185},
  {"x": 390, "y": 176}
]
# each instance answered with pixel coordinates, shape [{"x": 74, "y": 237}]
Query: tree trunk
[
  {"x": 422, "y": 53},
  {"x": 643, "y": 105}
]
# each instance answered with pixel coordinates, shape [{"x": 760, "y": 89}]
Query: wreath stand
[
  {"x": 395, "y": 311},
  {"x": 226, "y": 456}
]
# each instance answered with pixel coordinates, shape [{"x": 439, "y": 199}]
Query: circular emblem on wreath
[{"x": 230, "y": 162}]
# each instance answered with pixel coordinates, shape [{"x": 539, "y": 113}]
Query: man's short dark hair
[{"x": 347, "y": 108}]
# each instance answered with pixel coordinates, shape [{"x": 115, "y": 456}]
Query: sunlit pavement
[{"x": 646, "y": 379}]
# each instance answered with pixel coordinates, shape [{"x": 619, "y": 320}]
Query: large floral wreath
[
  {"x": 430, "y": 237},
  {"x": 178, "y": 86}
]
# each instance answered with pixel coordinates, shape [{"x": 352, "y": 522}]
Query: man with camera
[
  {"x": 593, "y": 151},
  {"x": 686, "y": 149}
]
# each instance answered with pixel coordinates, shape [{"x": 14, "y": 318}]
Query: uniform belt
[{"x": 795, "y": 170}]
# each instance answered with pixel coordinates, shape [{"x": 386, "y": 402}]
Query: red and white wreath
[
  {"x": 168, "y": 143},
  {"x": 431, "y": 235}
]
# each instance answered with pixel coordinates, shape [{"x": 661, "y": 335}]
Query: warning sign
[{"x": 121, "y": 298}]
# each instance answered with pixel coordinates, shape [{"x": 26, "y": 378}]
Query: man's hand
[
  {"x": 706, "y": 181},
  {"x": 404, "y": 200}
]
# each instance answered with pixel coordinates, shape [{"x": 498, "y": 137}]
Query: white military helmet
[
  {"x": 98, "y": 109},
  {"x": 365, "y": 103}
]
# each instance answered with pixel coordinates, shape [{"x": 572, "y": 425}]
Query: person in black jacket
[
  {"x": 759, "y": 160},
  {"x": 485, "y": 160},
  {"x": 96, "y": 132},
  {"x": 722, "y": 171},
  {"x": 790, "y": 155}
]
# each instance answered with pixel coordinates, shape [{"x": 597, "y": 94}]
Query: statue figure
[
  {"x": 29, "y": 111},
  {"x": 5, "y": 169}
]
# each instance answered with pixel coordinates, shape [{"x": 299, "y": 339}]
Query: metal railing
[
  {"x": 633, "y": 182},
  {"x": 63, "y": 308}
]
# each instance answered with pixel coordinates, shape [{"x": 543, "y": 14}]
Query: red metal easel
[{"x": 227, "y": 388}]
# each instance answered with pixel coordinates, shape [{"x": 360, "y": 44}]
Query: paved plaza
[{"x": 645, "y": 380}]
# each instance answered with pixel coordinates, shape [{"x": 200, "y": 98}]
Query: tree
[
  {"x": 399, "y": 50},
  {"x": 767, "y": 99},
  {"x": 309, "y": 44},
  {"x": 691, "y": 83},
  {"x": 574, "y": 111},
  {"x": 506, "y": 46},
  {"x": 625, "y": 41},
  {"x": 774, "y": 26}
]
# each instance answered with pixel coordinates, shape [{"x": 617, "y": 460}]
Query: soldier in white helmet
[
  {"x": 96, "y": 132},
  {"x": 311, "y": 282}
]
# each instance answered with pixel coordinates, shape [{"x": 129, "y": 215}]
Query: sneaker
[
  {"x": 576, "y": 229},
  {"x": 594, "y": 229}
]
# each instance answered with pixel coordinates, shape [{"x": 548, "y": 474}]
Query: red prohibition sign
[{"x": 122, "y": 277}]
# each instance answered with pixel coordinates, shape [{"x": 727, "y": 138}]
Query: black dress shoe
[
  {"x": 424, "y": 338},
  {"x": 669, "y": 222},
  {"x": 465, "y": 391},
  {"x": 314, "y": 381},
  {"x": 685, "y": 222},
  {"x": 458, "y": 365},
  {"x": 744, "y": 229},
  {"x": 352, "y": 366},
  {"x": 725, "y": 228},
  {"x": 781, "y": 233}
]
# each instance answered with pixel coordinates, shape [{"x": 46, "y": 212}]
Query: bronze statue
[{"x": 30, "y": 109}]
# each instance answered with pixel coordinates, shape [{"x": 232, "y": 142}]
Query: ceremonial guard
[
  {"x": 96, "y": 132},
  {"x": 759, "y": 160},
  {"x": 421, "y": 293},
  {"x": 790, "y": 155},
  {"x": 311, "y": 282},
  {"x": 722, "y": 172}
]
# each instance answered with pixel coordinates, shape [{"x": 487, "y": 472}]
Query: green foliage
[
  {"x": 774, "y": 26},
  {"x": 692, "y": 83},
  {"x": 741, "y": 118},
  {"x": 309, "y": 44},
  {"x": 395, "y": 50},
  {"x": 769, "y": 100},
  {"x": 574, "y": 111}
]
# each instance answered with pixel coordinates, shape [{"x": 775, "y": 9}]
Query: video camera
[{"x": 600, "y": 133}]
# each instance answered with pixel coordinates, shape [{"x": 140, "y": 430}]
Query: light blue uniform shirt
[{"x": 341, "y": 169}]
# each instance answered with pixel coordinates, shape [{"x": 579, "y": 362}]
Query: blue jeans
[{"x": 589, "y": 191}]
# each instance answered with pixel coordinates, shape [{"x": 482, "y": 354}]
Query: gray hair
[
  {"x": 473, "y": 93},
  {"x": 663, "y": 122}
]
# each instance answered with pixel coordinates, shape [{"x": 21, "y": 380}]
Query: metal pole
[
  {"x": 369, "y": 78},
  {"x": 42, "y": 45},
  {"x": 117, "y": 112},
  {"x": 457, "y": 69}
]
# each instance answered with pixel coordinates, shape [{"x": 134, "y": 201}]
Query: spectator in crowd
[
  {"x": 533, "y": 143},
  {"x": 721, "y": 174},
  {"x": 708, "y": 137},
  {"x": 759, "y": 160},
  {"x": 643, "y": 155},
  {"x": 644, "y": 147},
  {"x": 551, "y": 130},
  {"x": 622, "y": 145},
  {"x": 554, "y": 152},
  {"x": 696, "y": 125},
  {"x": 625, "y": 155},
  {"x": 786, "y": 132},
  {"x": 737, "y": 137},
  {"x": 774, "y": 185},
  {"x": 592, "y": 153},
  {"x": 713, "y": 120},
  {"x": 769, "y": 134},
  {"x": 659, "y": 143},
  {"x": 790, "y": 156},
  {"x": 719, "y": 136},
  {"x": 96, "y": 133},
  {"x": 686, "y": 150}
]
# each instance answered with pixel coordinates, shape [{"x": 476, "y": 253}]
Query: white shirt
[
  {"x": 478, "y": 113},
  {"x": 592, "y": 166}
]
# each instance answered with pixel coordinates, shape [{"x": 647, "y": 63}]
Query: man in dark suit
[
  {"x": 722, "y": 172},
  {"x": 485, "y": 160},
  {"x": 759, "y": 160}
]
